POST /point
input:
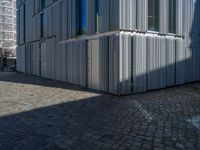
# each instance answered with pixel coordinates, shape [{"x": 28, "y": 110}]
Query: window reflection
[{"x": 153, "y": 15}]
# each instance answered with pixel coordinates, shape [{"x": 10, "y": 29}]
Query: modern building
[
  {"x": 116, "y": 46},
  {"x": 8, "y": 26}
]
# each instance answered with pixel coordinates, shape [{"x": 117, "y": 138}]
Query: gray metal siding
[
  {"x": 131, "y": 59},
  {"x": 171, "y": 61},
  {"x": 142, "y": 15},
  {"x": 139, "y": 65}
]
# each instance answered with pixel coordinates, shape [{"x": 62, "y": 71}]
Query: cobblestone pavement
[{"x": 40, "y": 114}]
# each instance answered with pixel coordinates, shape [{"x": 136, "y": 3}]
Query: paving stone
[
  {"x": 180, "y": 146},
  {"x": 37, "y": 113}
]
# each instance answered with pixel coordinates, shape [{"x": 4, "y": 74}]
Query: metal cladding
[
  {"x": 104, "y": 17},
  {"x": 116, "y": 53},
  {"x": 164, "y": 8},
  {"x": 21, "y": 58},
  {"x": 170, "y": 61},
  {"x": 76, "y": 62},
  {"x": 128, "y": 14},
  {"x": 142, "y": 15},
  {"x": 139, "y": 63}
]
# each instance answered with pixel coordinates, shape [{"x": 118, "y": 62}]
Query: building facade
[
  {"x": 8, "y": 26},
  {"x": 116, "y": 46}
]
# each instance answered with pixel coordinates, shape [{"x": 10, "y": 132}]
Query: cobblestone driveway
[{"x": 40, "y": 114}]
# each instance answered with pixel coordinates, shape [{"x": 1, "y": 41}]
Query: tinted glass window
[
  {"x": 172, "y": 16},
  {"x": 42, "y": 3},
  {"x": 153, "y": 15},
  {"x": 83, "y": 16},
  {"x": 97, "y": 14},
  {"x": 42, "y": 25}
]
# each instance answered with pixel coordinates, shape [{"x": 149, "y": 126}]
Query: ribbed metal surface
[
  {"x": 180, "y": 16},
  {"x": 35, "y": 62},
  {"x": 21, "y": 25},
  {"x": 164, "y": 11},
  {"x": 103, "y": 63},
  {"x": 114, "y": 14},
  {"x": 125, "y": 63},
  {"x": 180, "y": 62},
  {"x": 128, "y": 60},
  {"x": 76, "y": 62},
  {"x": 171, "y": 61},
  {"x": 142, "y": 15},
  {"x": 114, "y": 64},
  {"x": 156, "y": 63},
  {"x": 21, "y": 58},
  {"x": 139, "y": 65},
  {"x": 57, "y": 20},
  {"x": 128, "y": 14},
  {"x": 104, "y": 15},
  {"x": 91, "y": 17}
]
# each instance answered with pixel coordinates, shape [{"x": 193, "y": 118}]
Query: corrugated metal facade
[{"x": 118, "y": 55}]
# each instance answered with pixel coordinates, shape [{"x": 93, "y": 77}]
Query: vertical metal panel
[
  {"x": 128, "y": 61},
  {"x": 103, "y": 62},
  {"x": 38, "y": 27},
  {"x": 139, "y": 67},
  {"x": 142, "y": 15},
  {"x": 91, "y": 16},
  {"x": 18, "y": 27},
  {"x": 180, "y": 62},
  {"x": 21, "y": 59},
  {"x": 83, "y": 62},
  {"x": 89, "y": 64},
  {"x": 114, "y": 14},
  {"x": 156, "y": 63},
  {"x": 164, "y": 11},
  {"x": 192, "y": 64},
  {"x": 76, "y": 62},
  {"x": 124, "y": 63},
  {"x": 171, "y": 61},
  {"x": 127, "y": 14},
  {"x": 104, "y": 15},
  {"x": 65, "y": 23},
  {"x": 179, "y": 17},
  {"x": 151, "y": 63},
  {"x": 37, "y": 59},
  {"x": 93, "y": 64},
  {"x": 21, "y": 24},
  {"x": 57, "y": 20},
  {"x": 58, "y": 61},
  {"x": 48, "y": 56},
  {"x": 62, "y": 67},
  {"x": 73, "y": 18},
  {"x": 113, "y": 63},
  {"x": 28, "y": 59},
  {"x": 162, "y": 62},
  {"x": 54, "y": 58},
  {"x": 37, "y": 6},
  {"x": 44, "y": 61},
  {"x": 48, "y": 22}
]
